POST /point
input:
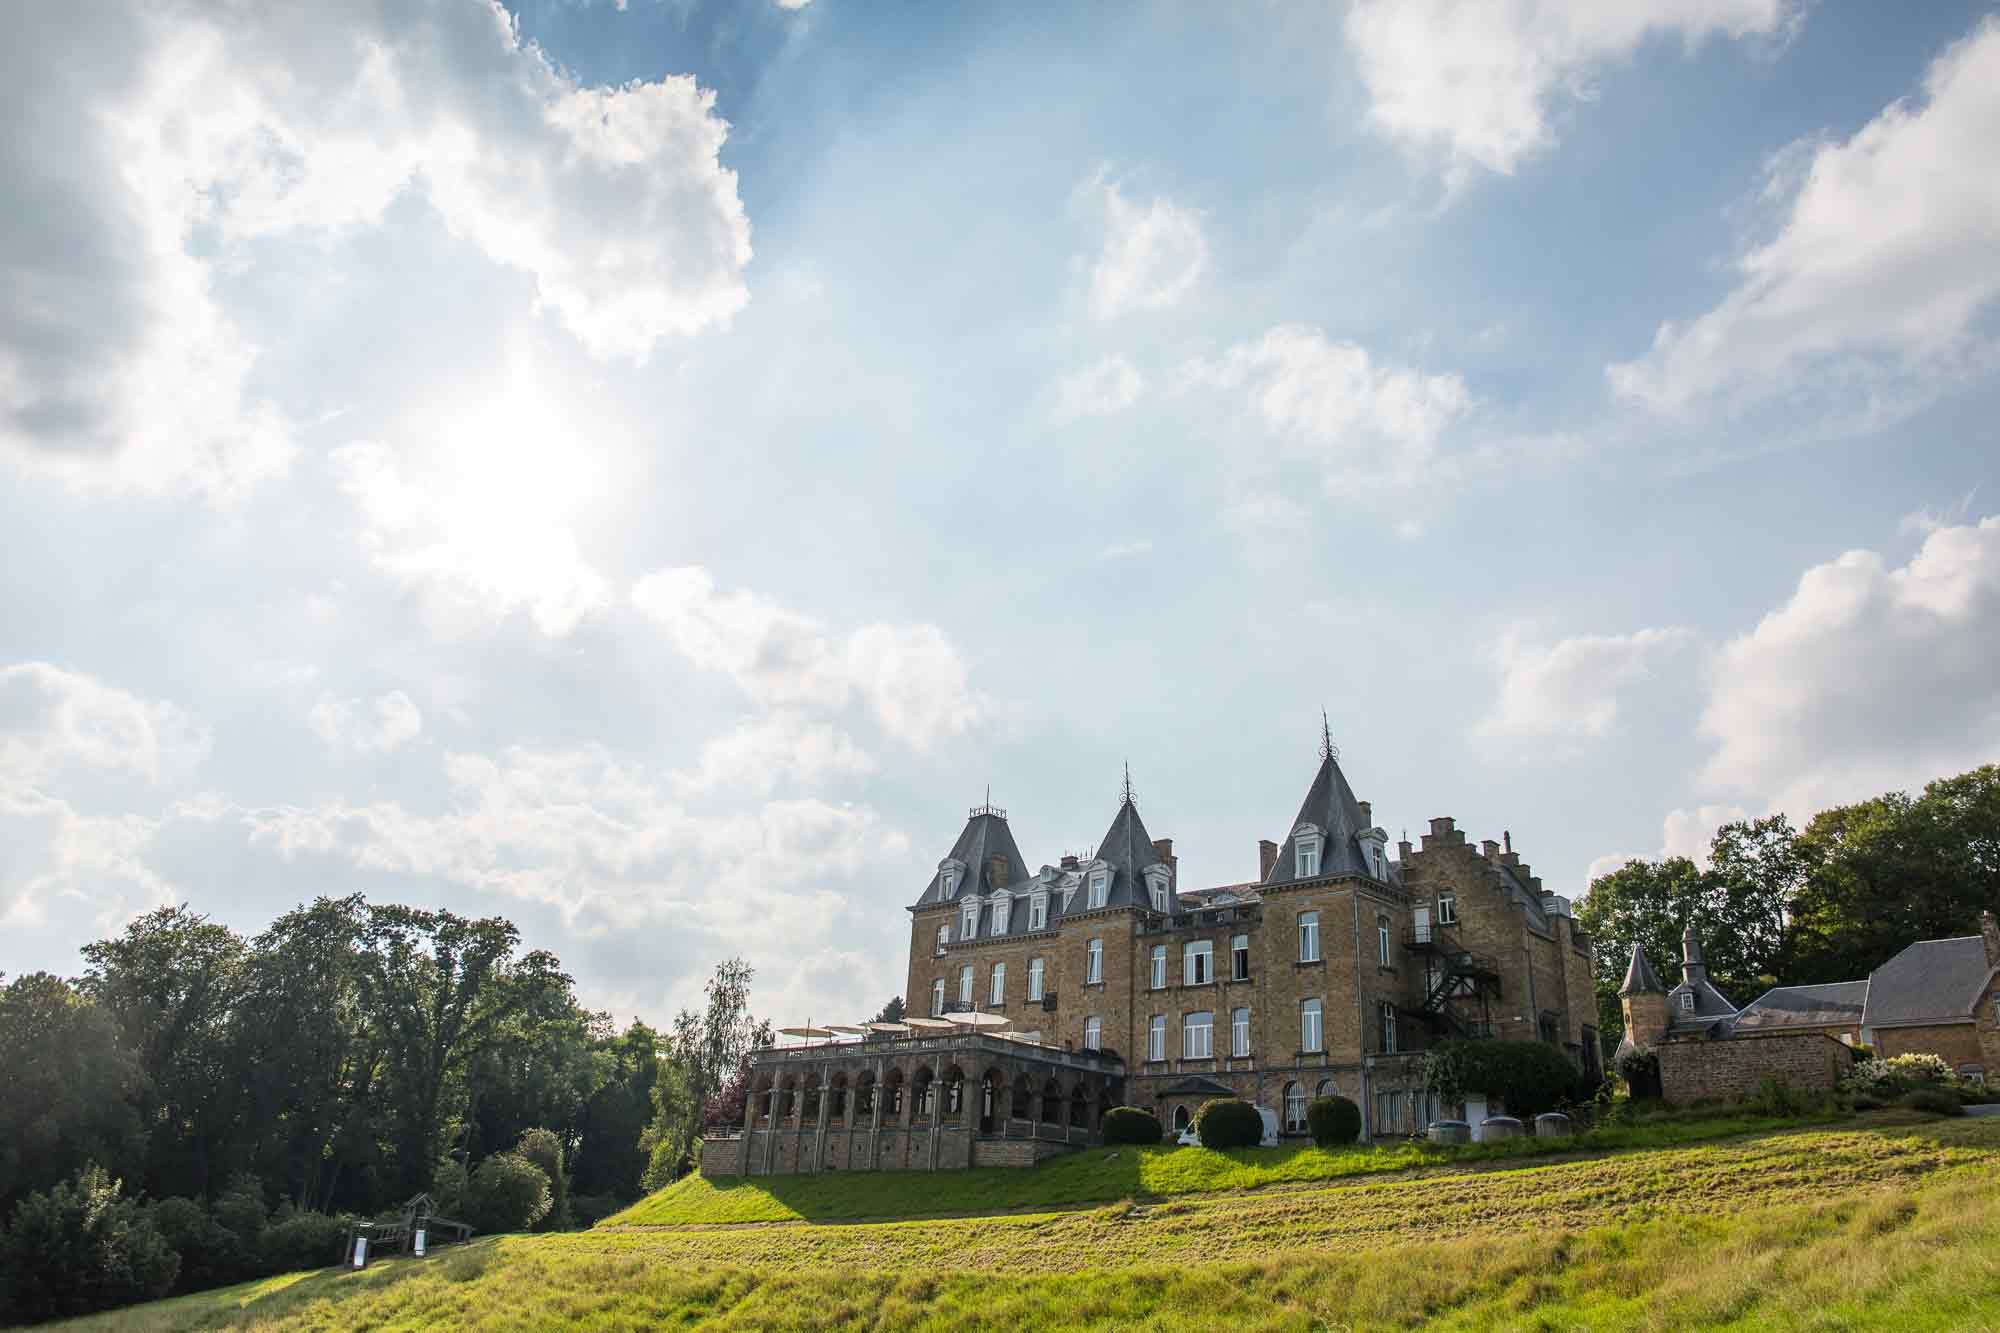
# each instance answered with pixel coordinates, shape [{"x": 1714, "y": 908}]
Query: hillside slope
[{"x": 1889, "y": 1227}]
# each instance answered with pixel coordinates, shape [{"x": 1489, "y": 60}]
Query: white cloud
[
  {"x": 1154, "y": 253},
  {"x": 1567, "y": 693},
  {"x": 389, "y": 722},
  {"x": 176, "y": 139},
  {"x": 1127, "y": 550},
  {"x": 1868, "y": 679},
  {"x": 778, "y": 749},
  {"x": 1682, "y": 833},
  {"x": 1882, "y": 263},
  {"x": 909, "y": 676},
  {"x": 1104, "y": 387},
  {"x": 493, "y": 549},
  {"x": 1478, "y": 79},
  {"x": 55, "y": 724},
  {"x": 1331, "y": 401}
]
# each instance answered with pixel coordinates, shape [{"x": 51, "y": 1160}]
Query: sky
[{"x": 647, "y": 469}]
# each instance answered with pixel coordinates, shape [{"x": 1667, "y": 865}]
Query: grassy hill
[{"x": 1882, "y": 1225}]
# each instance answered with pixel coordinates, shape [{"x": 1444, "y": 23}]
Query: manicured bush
[
  {"x": 1334, "y": 1121},
  {"x": 1528, "y": 1077},
  {"x": 80, "y": 1248},
  {"x": 295, "y": 1240},
  {"x": 1934, "y": 1101},
  {"x": 507, "y": 1193},
  {"x": 544, "y": 1149},
  {"x": 1228, "y": 1122},
  {"x": 1897, "y": 1075},
  {"x": 1129, "y": 1124}
]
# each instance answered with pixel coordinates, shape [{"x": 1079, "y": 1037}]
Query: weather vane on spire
[
  {"x": 1125, "y": 793},
  {"x": 1327, "y": 749}
]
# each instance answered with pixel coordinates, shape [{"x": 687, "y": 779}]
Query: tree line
[
  {"x": 1779, "y": 906},
  {"x": 207, "y": 1106}
]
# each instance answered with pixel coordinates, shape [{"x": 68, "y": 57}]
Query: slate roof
[
  {"x": 1330, "y": 805},
  {"x": 1931, "y": 981},
  {"x": 985, "y": 836},
  {"x": 1829, "y": 1004},
  {"x": 1128, "y": 850},
  {"x": 1640, "y": 978}
]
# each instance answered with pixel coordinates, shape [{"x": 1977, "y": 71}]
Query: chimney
[
  {"x": 1489, "y": 849},
  {"x": 1507, "y": 840},
  {"x": 1367, "y": 814},
  {"x": 1267, "y": 856},
  {"x": 1403, "y": 848},
  {"x": 1989, "y": 930},
  {"x": 1164, "y": 849},
  {"x": 1069, "y": 861},
  {"x": 996, "y": 872}
]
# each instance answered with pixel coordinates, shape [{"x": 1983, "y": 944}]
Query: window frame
[
  {"x": 1003, "y": 911},
  {"x": 1201, "y": 1021},
  {"x": 1239, "y": 958},
  {"x": 1306, "y": 848},
  {"x": 997, "y": 990},
  {"x": 1038, "y": 911},
  {"x": 1239, "y": 1033},
  {"x": 1156, "y": 964},
  {"x": 1388, "y": 1033},
  {"x": 1309, "y": 928},
  {"x": 968, "y": 920},
  {"x": 965, "y": 984},
  {"x": 1447, "y": 909},
  {"x": 1294, "y": 1096},
  {"x": 1093, "y": 962},
  {"x": 1687, "y": 1002},
  {"x": 1311, "y": 1007},
  {"x": 1037, "y": 977},
  {"x": 1160, "y": 892},
  {"x": 1156, "y": 1039},
  {"x": 1099, "y": 890},
  {"x": 1197, "y": 956},
  {"x": 937, "y": 998},
  {"x": 1093, "y": 1033},
  {"x": 1382, "y": 941},
  {"x": 943, "y": 939}
]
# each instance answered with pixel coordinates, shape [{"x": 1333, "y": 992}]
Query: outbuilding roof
[
  {"x": 1931, "y": 981},
  {"x": 1829, "y": 1004}
]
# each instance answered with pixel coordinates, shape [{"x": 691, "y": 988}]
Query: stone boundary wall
[{"x": 1738, "y": 1066}]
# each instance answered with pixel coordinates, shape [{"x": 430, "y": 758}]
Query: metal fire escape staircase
[{"x": 1460, "y": 984}]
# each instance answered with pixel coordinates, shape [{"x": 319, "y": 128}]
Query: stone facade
[
  {"x": 1372, "y": 942},
  {"x": 1958, "y": 1043},
  {"x": 1696, "y": 1070}
]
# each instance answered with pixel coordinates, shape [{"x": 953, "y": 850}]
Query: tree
[
  {"x": 702, "y": 1051},
  {"x": 172, "y": 982},
  {"x": 78, "y": 1248},
  {"x": 608, "y": 1159},
  {"x": 892, "y": 1012},
  {"x": 66, "y": 1096},
  {"x": 1648, "y": 903},
  {"x": 1755, "y": 870},
  {"x": 544, "y": 1149},
  {"x": 507, "y": 1193}
]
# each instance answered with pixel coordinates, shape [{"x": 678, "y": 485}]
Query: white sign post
[
  {"x": 361, "y": 1251},
  {"x": 420, "y": 1242}
]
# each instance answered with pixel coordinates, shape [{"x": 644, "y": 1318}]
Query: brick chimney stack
[
  {"x": 1989, "y": 930},
  {"x": 996, "y": 872},
  {"x": 1164, "y": 849},
  {"x": 1267, "y": 856},
  {"x": 1367, "y": 814}
]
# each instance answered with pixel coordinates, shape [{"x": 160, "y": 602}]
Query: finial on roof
[
  {"x": 1327, "y": 749},
  {"x": 1125, "y": 796}
]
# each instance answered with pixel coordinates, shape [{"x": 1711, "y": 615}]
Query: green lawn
[
  {"x": 1876, "y": 1226},
  {"x": 1101, "y": 1175}
]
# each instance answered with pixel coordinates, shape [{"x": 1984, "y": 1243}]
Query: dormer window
[
  {"x": 948, "y": 879},
  {"x": 968, "y": 921},
  {"x": 1003, "y": 907},
  {"x": 1038, "y": 911},
  {"x": 1100, "y": 887},
  {"x": 1160, "y": 890},
  {"x": 1687, "y": 1001},
  {"x": 1306, "y": 851}
]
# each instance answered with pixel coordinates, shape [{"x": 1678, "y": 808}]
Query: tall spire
[
  {"x": 1125, "y": 796},
  {"x": 1327, "y": 749},
  {"x": 1639, "y": 977}
]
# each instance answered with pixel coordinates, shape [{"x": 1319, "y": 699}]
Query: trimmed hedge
[
  {"x": 1334, "y": 1121},
  {"x": 1229, "y": 1122},
  {"x": 1936, "y": 1101},
  {"x": 1129, "y": 1124}
]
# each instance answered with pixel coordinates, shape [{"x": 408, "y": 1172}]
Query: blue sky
[{"x": 646, "y": 471}]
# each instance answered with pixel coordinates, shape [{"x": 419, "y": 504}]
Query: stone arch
[
  {"x": 992, "y": 1100},
  {"x": 812, "y": 1089},
  {"x": 1024, "y": 1099},
  {"x": 1182, "y": 1119},
  {"x": 1052, "y": 1103},
  {"x": 788, "y": 1097},
  {"x": 836, "y": 1097},
  {"x": 760, "y": 1097},
  {"x": 923, "y": 1090},
  {"x": 893, "y": 1090},
  {"x": 954, "y": 1093},
  {"x": 1079, "y": 1106},
  {"x": 864, "y": 1093}
]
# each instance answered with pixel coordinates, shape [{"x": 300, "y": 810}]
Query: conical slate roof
[
  {"x": 1128, "y": 850},
  {"x": 1330, "y": 806},
  {"x": 1640, "y": 979},
  {"x": 985, "y": 836}
]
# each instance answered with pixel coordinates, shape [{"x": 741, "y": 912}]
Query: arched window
[
  {"x": 1295, "y": 1109},
  {"x": 1325, "y": 1089},
  {"x": 1181, "y": 1119}
]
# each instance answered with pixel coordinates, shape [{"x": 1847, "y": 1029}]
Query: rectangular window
[
  {"x": 937, "y": 997},
  {"x": 1309, "y": 1035},
  {"x": 1198, "y": 1036},
  {"x": 1239, "y": 957},
  {"x": 965, "y": 984},
  {"x": 968, "y": 921},
  {"x": 1308, "y": 858},
  {"x": 1158, "y": 979},
  {"x": 1159, "y": 887},
  {"x": 1093, "y": 1034},
  {"x": 1388, "y": 1028},
  {"x": 1687, "y": 1001},
  {"x": 1100, "y": 888},
  {"x": 1093, "y": 961},
  {"x": 1239, "y": 1033},
  {"x": 944, "y": 934},
  {"x": 1038, "y": 912},
  {"x": 1002, "y": 909},
  {"x": 998, "y": 995},
  {"x": 1382, "y": 939},
  {"x": 1156, "y": 1038},
  {"x": 1447, "y": 909},
  {"x": 1198, "y": 963},
  {"x": 1034, "y": 978},
  {"x": 1308, "y": 937}
]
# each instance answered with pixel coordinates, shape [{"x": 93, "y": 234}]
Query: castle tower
[{"x": 1644, "y": 1000}]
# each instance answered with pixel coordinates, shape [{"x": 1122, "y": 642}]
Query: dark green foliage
[
  {"x": 1228, "y": 1122},
  {"x": 702, "y": 1052},
  {"x": 544, "y": 1149},
  {"x": 1640, "y": 1068},
  {"x": 1334, "y": 1121},
  {"x": 1528, "y": 1077},
  {"x": 80, "y": 1247},
  {"x": 66, "y": 1088},
  {"x": 1933, "y": 1101},
  {"x": 294, "y": 1240},
  {"x": 1776, "y": 1097},
  {"x": 1129, "y": 1124},
  {"x": 507, "y": 1192},
  {"x": 892, "y": 1012},
  {"x": 240, "y": 1210},
  {"x": 210, "y": 1253}
]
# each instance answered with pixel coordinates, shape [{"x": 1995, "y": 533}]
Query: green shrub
[
  {"x": 1228, "y": 1122},
  {"x": 1934, "y": 1101},
  {"x": 587, "y": 1210},
  {"x": 544, "y": 1149},
  {"x": 507, "y": 1193},
  {"x": 1776, "y": 1097},
  {"x": 1129, "y": 1124},
  {"x": 1334, "y": 1121},
  {"x": 296, "y": 1240},
  {"x": 210, "y": 1253},
  {"x": 448, "y": 1188},
  {"x": 1640, "y": 1068},
  {"x": 1528, "y": 1077},
  {"x": 240, "y": 1211},
  {"x": 80, "y": 1248}
]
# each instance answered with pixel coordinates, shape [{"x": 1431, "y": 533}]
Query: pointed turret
[
  {"x": 1643, "y": 1000},
  {"x": 1127, "y": 852},
  {"x": 983, "y": 859},
  {"x": 1640, "y": 979},
  {"x": 1331, "y": 811}
]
